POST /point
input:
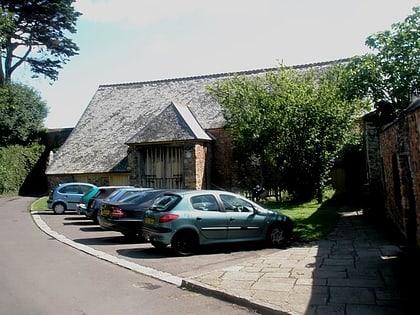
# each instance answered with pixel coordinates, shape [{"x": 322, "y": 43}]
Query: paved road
[
  {"x": 39, "y": 275},
  {"x": 84, "y": 231}
]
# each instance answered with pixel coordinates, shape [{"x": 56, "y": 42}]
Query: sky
[{"x": 124, "y": 41}]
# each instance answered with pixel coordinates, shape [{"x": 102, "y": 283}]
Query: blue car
[{"x": 67, "y": 196}]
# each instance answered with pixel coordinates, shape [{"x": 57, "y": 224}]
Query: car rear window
[{"x": 165, "y": 202}]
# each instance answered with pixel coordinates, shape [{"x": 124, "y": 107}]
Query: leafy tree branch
[{"x": 35, "y": 33}]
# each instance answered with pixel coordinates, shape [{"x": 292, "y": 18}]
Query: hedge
[{"x": 16, "y": 163}]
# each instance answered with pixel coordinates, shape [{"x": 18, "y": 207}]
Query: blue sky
[{"x": 125, "y": 41}]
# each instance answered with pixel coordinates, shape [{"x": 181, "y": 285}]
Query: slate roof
[
  {"x": 130, "y": 113},
  {"x": 175, "y": 123}
]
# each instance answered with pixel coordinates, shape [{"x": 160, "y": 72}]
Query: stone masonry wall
[
  {"x": 391, "y": 177},
  {"x": 413, "y": 120},
  {"x": 223, "y": 170},
  {"x": 195, "y": 167},
  {"x": 399, "y": 151}
]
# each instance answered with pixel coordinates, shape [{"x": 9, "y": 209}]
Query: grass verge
[
  {"x": 40, "y": 204},
  {"x": 312, "y": 220}
]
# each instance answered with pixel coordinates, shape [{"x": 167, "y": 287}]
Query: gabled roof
[
  {"x": 117, "y": 113},
  {"x": 174, "y": 123}
]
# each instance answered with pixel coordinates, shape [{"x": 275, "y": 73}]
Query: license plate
[
  {"x": 106, "y": 212},
  {"x": 149, "y": 220}
]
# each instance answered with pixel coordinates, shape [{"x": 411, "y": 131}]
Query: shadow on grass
[{"x": 314, "y": 221}]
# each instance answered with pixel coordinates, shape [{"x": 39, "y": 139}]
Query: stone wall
[
  {"x": 413, "y": 121},
  {"x": 195, "y": 161},
  {"x": 223, "y": 168},
  {"x": 399, "y": 146}
]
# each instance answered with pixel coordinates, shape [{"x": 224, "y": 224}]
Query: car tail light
[
  {"x": 50, "y": 195},
  {"x": 118, "y": 213},
  {"x": 168, "y": 218}
]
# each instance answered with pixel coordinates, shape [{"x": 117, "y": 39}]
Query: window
[
  {"x": 204, "y": 203},
  {"x": 165, "y": 202},
  {"x": 234, "y": 204},
  {"x": 70, "y": 189}
]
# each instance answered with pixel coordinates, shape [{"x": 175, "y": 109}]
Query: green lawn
[
  {"x": 40, "y": 204},
  {"x": 312, "y": 221}
]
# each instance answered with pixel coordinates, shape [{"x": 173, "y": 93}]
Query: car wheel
[
  {"x": 184, "y": 243},
  {"x": 59, "y": 208},
  {"x": 158, "y": 245},
  {"x": 277, "y": 236}
]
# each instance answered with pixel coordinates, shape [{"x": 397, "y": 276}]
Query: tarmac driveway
[{"x": 82, "y": 230}]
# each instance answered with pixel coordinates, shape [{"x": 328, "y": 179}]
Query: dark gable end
[{"x": 174, "y": 123}]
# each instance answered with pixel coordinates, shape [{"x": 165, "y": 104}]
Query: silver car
[{"x": 186, "y": 219}]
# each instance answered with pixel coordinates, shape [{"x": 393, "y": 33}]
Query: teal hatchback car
[{"x": 187, "y": 219}]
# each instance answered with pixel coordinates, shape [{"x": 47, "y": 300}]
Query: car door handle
[
  {"x": 232, "y": 219},
  {"x": 199, "y": 219}
]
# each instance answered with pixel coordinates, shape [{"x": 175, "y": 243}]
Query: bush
[{"x": 16, "y": 162}]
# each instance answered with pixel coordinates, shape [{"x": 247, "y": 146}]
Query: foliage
[
  {"x": 290, "y": 125},
  {"x": 312, "y": 221},
  {"x": 34, "y": 32},
  {"x": 16, "y": 162},
  {"x": 22, "y": 112},
  {"x": 390, "y": 75}
]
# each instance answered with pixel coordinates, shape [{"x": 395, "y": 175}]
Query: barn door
[{"x": 162, "y": 167}]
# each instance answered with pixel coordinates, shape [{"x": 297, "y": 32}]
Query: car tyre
[
  {"x": 277, "y": 236},
  {"x": 184, "y": 243},
  {"x": 59, "y": 208}
]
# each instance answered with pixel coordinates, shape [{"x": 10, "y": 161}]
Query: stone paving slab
[{"x": 354, "y": 271}]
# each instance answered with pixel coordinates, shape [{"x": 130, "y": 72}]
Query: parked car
[
  {"x": 67, "y": 196},
  {"x": 185, "y": 220},
  {"x": 117, "y": 195},
  {"x": 84, "y": 201},
  {"x": 126, "y": 216},
  {"x": 91, "y": 211},
  {"x": 124, "y": 193}
]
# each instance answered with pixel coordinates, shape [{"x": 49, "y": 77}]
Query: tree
[
  {"x": 389, "y": 76},
  {"x": 290, "y": 124},
  {"x": 22, "y": 112},
  {"x": 34, "y": 32}
]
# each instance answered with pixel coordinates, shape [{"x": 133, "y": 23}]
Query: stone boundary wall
[{"x": 399, "y": 152}]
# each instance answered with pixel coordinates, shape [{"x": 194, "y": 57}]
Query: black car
[{"x": 126, "y": 216}]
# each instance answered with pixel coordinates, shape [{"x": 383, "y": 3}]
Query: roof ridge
[{"x": 224, "y": 74}]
